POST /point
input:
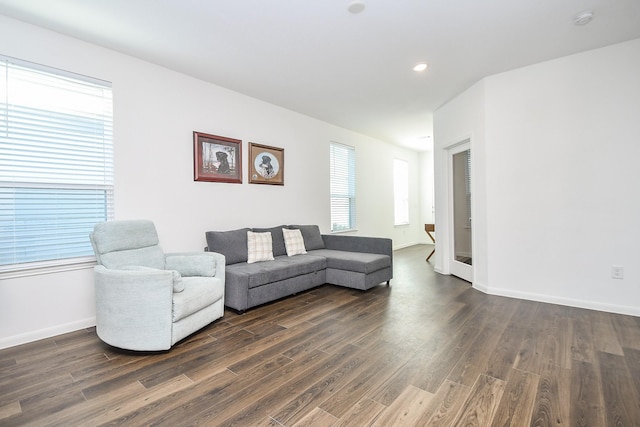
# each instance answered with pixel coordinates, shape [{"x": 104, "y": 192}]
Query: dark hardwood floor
[{"x": 426, "y": 351}]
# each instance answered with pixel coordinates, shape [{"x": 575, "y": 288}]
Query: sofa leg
[{"x": 389, "y": 282}]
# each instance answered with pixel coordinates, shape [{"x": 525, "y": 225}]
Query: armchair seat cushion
[
  {"x": 198, "y": 293},
  {"x": 359, "y": 262}
]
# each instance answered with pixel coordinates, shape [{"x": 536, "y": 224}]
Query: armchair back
[{"x": 119, "y": 244}]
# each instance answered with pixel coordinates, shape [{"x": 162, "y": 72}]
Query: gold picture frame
[{"x": 266, "y": 164}]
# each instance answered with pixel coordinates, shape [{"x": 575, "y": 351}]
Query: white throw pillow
[
  {"x": 259, "y": 247},
  {"x": 293, "y": 242}
]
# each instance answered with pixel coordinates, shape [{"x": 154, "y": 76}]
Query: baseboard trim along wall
[
  {"x": 46, "y": 333},
  {"x": 552, "y": 299}
]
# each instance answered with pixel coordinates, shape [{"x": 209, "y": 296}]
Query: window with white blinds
[
  {"x": 401, "y": 192},
  {"x": 56, "y": 164},
  {"x": 343, "y": 187}
]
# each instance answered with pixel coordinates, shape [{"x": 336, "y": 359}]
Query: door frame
[{"x": 457, "y": 268}]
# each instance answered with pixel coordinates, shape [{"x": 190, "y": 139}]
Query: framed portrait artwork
[
  {"x": 266, "y": 164},
  {"x": 216, "y": 158}
]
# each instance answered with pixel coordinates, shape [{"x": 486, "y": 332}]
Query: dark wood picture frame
[
  {"x": 217, "y": 158},
  {"x": 266, "y": 164}
]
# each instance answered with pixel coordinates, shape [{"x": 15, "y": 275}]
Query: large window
[
  {"x": 400, "y": 192},
  {"x": 343, "y": 187},
  {"x": 56, "y": 164}
]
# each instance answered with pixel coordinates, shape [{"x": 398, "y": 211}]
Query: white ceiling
[{"x": 355, "y": 71}]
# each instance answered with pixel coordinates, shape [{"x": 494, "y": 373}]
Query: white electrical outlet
[{"x": 617, "y": 272}]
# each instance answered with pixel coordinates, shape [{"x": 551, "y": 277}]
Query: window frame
[
  {"x": 341, "y": 191},
  {"x": 16, "y": 183}
]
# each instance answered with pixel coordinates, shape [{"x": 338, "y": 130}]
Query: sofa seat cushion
[
  {"x": 281, "y": 268},
  {"x": 198, "y": 293},
  {"x": 359, "y": 262}
]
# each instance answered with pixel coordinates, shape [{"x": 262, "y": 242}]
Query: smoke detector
[{"x": 583, "y": 18}]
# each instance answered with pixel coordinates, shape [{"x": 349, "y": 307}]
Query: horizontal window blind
[
  {"x": 56, "y": 162},
  {"x": 343, "y": 187}
]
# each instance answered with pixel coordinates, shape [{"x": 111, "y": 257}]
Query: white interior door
[{"x": 461, "y": 236}]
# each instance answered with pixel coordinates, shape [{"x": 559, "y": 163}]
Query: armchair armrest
[
  {"x": 133, "y": 308},
  {"x": 204, "y": 264}
]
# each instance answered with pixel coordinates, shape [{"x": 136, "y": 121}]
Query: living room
[
  {"x": 555, "y": 201},
  {"x": 155, "y": 112},
  {"x": 551, "y": 232}
]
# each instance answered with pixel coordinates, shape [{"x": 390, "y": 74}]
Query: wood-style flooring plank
[
  {"x": 244, "y": 415},
  {"x": 621, "y": 399},
  {"x": 552, "y": 405},
  {"x": 407, "y": 410},
  {"x": 632, "y": 360},
  {"x": 363, "y": 360},
  {"x": 517, "y": 400},
  {"x": 363, "y": 413},
  {"x": 582, "y": 347},
  {"x": 627, "y": 331},
  {"x": 604, "y": 334},
  {"x": 503, "y": 356},
  {"x": 9, "y": 409},
  {"x": 369, "y": 377},
  {"x": 586, "y": 396},
  {"x": 476, "y": 357},
  {"x": 316, "y": 418},
  {"x": 445, "y": 405},
  {"x": 482, "y": 404}
]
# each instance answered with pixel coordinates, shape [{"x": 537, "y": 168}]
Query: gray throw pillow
[
  {"x": 311, "y": 235},
  {"x": 232, "y": 244},
  {"x": 276, "y": 238}
]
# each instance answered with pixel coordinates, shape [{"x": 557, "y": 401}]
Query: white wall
[
  {"x": 155, "y": 112},
  {"x": 560, "y": 145},
  {"x": 460, "y": 120},
  {"x": 427, "y": 208}
]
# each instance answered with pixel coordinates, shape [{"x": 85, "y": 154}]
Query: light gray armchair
[{"x": 145, "y": 299}]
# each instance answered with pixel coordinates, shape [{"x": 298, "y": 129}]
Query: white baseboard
[
  {"x": 553, "y": 299},
  {"x": 407, "y": 245},
  {"x": 46, "y": 333}
]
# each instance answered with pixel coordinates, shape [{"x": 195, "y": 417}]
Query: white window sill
[
  {"x": 45, "y": 267},
  {"x": 351, "y": 230}
]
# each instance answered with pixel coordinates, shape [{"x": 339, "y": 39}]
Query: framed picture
[
  {"x": 266, "y": 164},
  {"x": 216, "y": 158}
]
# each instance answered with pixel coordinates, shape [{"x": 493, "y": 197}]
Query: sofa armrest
[
  {"x": 204, "y": 264},
  {"x": 134, "y": 308}
]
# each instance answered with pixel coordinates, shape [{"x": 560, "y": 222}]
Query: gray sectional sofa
[{"x": 351, "y": 261}]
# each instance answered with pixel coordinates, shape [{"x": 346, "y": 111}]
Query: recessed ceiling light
[
  {"x": 356, "y": 6},
  {"x": 583, "y": 18},
  {"x": 420, "y": 67}
]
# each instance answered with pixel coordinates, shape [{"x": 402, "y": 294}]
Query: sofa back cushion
[
  {"x": 276, "y": 238},
  {"x": 232, "y": 244},
  {"x": 311, "y": 235}
]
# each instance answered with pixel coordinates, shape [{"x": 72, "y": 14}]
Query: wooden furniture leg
[{"x": 430, "y": 228}]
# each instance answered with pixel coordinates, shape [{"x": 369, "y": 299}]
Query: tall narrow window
[
  {"x": 401, "y": 192},
  {"x": 56, "y": 164},
  {"x": 343, "y": 187}
]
